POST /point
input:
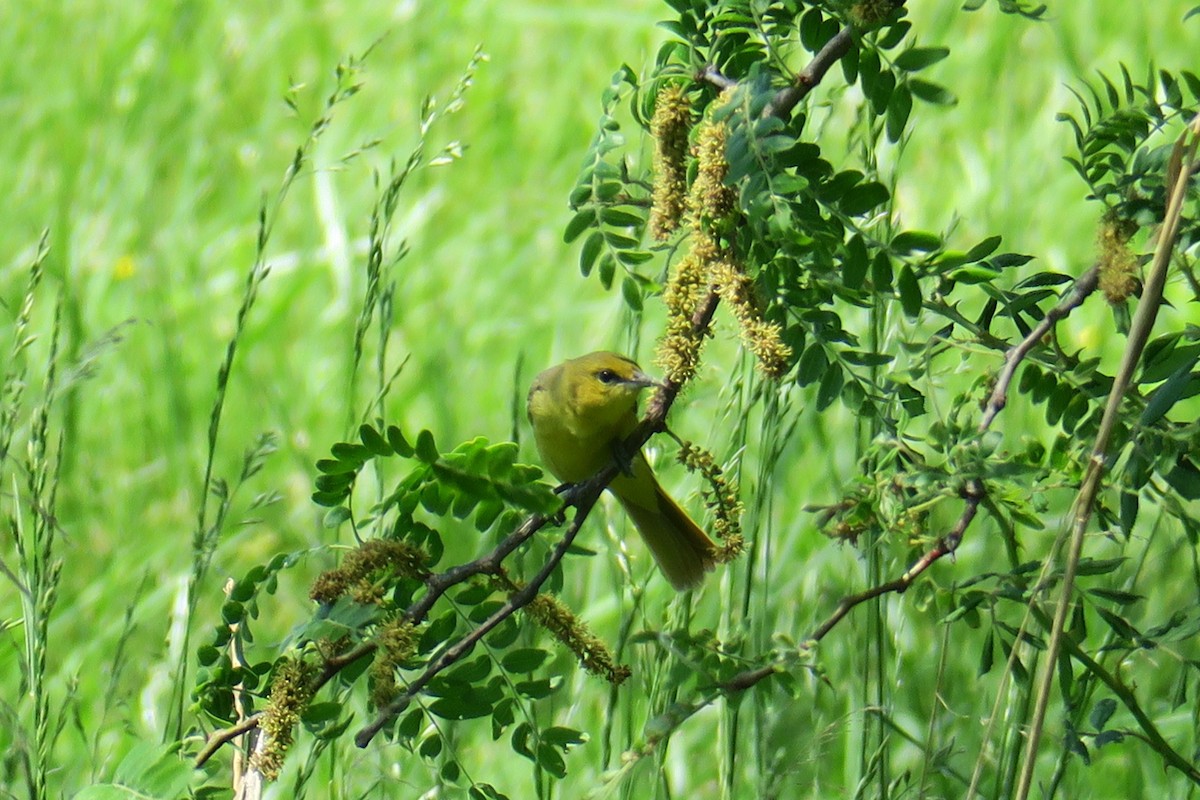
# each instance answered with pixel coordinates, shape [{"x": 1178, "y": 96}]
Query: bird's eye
[{"x": 607, "y": 376}]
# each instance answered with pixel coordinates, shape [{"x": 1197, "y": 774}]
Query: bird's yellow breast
[{"x": 576, "y": 418}]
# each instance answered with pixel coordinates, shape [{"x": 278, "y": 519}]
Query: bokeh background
[{"x": 144, "y": 136}]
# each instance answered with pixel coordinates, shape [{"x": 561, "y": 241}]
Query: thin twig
[
  {"x": 1150, "y": 732},
  {"x": 946, "y": 545},
  {"x": 711, "y": 74},
  {"x": 437, "y": 584},
  {"x": 807, "y": 79},
  {"x": 460, "y": 649},
  {"x": 1139, "y": 334},
  {"x": 217, "y": 738},
  {"x": 1016, "y": 354},
  {"x": 582, "y": 497}
]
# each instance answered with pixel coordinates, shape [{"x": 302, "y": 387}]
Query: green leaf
[
  {"x": 984, "y": 249},
  {"x": 1098, "y": 566},
  {"x": 987, "y": 655},
  {"x": 892, "y": 36},
  {"x": 466, "y": 704},
  {"x": 232, "y": 612},
  {"x": 410, "y": 725},
  {"x": 910, "y": 241},
  {"x": 975, "y": 273},
  {"x": 855, "y": 262},
  {"x": 1075, "y": 745},
  {"x": 1007, "y": 260},
  {"x": 563, "y": 737},
  {"x": 551, "y": 760},
  {"x": 438, "y": 631},
  {"x": 207, "y": 655},
  {"x": 152, "y": 770},
  {"x": 620, "y": 218},
  {"x": 882, "y": 96},
  {"x": 520, "y": 740},
  {"x": 338, "y": 482},
  {"x": 426, "y": 449},
  {"x": 863, "y": 198},
  {"x": 317, "y": 714},
  {"x": 810, "y": 29},
  {"x": 335, "y": 516},
  {"x": 909, "y": 291},
  {"x": 898, "y": 112},
  {"x": 1115, "y": 596},
  {"x": 1129, "y": 506},
  {"x": 590, "y": 251},
  {"x": 373, "y": 440},
  {"x": 352, "y": 453},
  {"x": 485, "y": 791},
  {"x": 1168, "y": 363},
  {"x": 526, "y": 659},
  {"x": 932, "y": 93},
  {"x": 864, "y": 358},
  {"x": 812, "y": 364},
  {"x": 830, "y": 388},
  {"x": 918, "y": 58},
  {"x": 632, "y": 293},
  {"x": 881, "y": 272},
  {"x": 607, "y": 268},
  {"x": 399, "y": 444},
  {"x": 331, "y": 466},
  {"x": 1119, "y": 625},
  {"x": 578, "y": 224},
  {"x": 1185, "y": 479},
  {"x": 536, "y": 689}
]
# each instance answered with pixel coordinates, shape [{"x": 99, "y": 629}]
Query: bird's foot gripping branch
[{"x": 394, "y": 616}]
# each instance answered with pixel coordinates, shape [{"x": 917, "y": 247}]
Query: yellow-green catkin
[
  {"x": 670, "y": 127},
  {"x": 710, "y": 207},
  {"x": 763, "y": 339},
  {"x": 710, "y": 202},
  {"x": 292, "y": 689},
  {"x": 867, "y": 14},
  {"x": 357, "y": 574},
  {"x": 396, "y": 643},
  {"x": 679, "y": 352},
  {"x": 721, "y": 499},
  {"x": 1118, "y": 264},
  {"x": 561, "y": 623}
]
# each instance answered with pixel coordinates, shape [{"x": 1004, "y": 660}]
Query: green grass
[{"x": 144, "y": 138}]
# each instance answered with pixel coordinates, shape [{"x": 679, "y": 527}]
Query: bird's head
[{"x": 605, "y": 385}]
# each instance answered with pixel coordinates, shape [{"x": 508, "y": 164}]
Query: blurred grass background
[{"x": 144, "y": 135}]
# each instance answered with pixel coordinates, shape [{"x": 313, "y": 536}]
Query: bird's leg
[
  {"x": 623, "y": 456},
  {"x": 567, "y": 490}
]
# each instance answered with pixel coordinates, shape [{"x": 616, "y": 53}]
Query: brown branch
[
  {"x": 460, "y": 649},
  {"x": 437, "y": 584},
  {"x": 1015, "y": 355},
  {"x": 806, "y": 80},
  {"x": 710, "y": 74},
  {"x": 1139, "y": 333},
  {"x": 581, "y": 496},
  {"x": 217, "y": 738},
  {"x": 946, "y": 545}
]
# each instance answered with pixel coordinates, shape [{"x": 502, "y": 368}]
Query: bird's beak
[{"x": 644, "y": 381}]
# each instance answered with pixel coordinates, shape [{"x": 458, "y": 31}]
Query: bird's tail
[{"x": 682, "y": 550}]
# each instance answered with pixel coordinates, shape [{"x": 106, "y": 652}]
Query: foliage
[{"x": 432, "y": 579}]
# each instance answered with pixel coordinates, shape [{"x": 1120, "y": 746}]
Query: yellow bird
[{"x": 581, "y": 411}]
